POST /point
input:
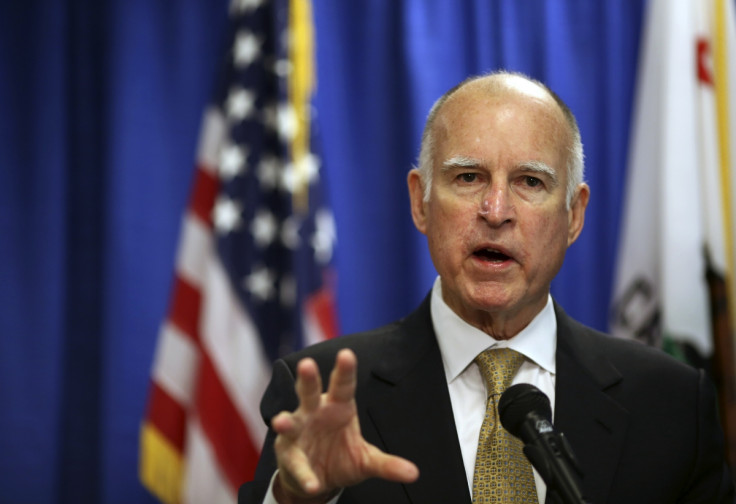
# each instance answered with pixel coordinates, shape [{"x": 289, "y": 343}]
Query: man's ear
[
  {"x": 416, "y": 197},
  {"x": 576, "y": 214}
]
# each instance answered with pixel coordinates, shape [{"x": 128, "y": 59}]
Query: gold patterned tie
[{"x": 502, "y": 472}]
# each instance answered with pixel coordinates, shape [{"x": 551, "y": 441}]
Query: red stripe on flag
[
  {"x": 704, "y": 65},
  {"x": 322, "y": 305},
  {"x": 185, "y": 306},
  {"x": 203, "y": 196},
  {"x": 224, "y": 427},
  {"x": 167, "y": 415}
]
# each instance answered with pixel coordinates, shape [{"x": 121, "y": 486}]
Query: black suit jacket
[{"x": 642, "y": 425}]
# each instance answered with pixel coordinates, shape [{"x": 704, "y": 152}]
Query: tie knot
[{"x": 498, "y": 366}]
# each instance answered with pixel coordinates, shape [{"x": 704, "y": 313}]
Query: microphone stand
[{"x": 551, "y": 454}]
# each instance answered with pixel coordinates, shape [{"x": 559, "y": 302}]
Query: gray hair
[{"x": 576, "y": 159}]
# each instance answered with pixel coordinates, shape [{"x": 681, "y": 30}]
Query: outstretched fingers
[
  {"x": 319, "y": 447},
  {"x": 343, "y": 378},
  {"x": 308, "y": 385},
  {"x": 296, "y": 473},
  {"x": 390, "y": 467},
  {"x": 309, "y": 391}
]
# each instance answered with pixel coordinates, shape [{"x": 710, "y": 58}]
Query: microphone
[{"x": 526, "y": 413}]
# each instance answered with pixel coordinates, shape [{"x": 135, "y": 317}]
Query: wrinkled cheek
[
  {"x": 440, "y": 251},
  {"x": 450, "y": 231},
  {"x": 554, "y": 245},
  {"x": 446, "y": 250}
]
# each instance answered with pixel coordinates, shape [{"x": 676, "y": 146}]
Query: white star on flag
[
  {"x": 247, "y": 49},
  {"x": 289, "y": 179},
  {"x": 308, "y": 168},
  {"x": 268, "y": 172},
  {"x": 232, "y": 161},
  {"x": 281, "y": 119},
  {"x": 282, "y": 67},
  {"x": 287, "y": 122},
  {"x": 304, "y": 172},
  {"x": 264, "y": 228},
  {"x": 240, "y": 104},
  {"x": 260, "y": 283},
  {"x": 324, "y": 236},
  {"x": 226, "y": 216}
]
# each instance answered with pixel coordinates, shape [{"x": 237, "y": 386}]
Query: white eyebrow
[
  {"x": 532, "y": 166},
  {"x": 456, "y": 161},
  {"x": 542, "y": 169}
]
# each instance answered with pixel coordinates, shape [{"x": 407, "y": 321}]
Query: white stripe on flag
[
  {"x": 175, "y": 364},
  {"x": 203, "y": 482},
  {"x": 196, "y": 246},
  {"x": 214, "y": 129},
  {"x": 233, "y": 343}
]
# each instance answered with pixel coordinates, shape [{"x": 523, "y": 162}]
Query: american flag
[{"x": 252, "y": 277}]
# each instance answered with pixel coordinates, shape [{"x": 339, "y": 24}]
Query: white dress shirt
[{"x": 459, "y": 344}]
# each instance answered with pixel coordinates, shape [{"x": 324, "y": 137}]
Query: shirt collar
[{"x": 460, "y": 342}]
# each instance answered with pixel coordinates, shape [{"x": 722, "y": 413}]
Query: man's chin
[
  {"x": 493, "y": 305},
  {"x": 492, "y": 298}
]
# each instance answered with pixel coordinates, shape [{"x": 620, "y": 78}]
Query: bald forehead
[
  {"x": 503, "y": 86},
  {"x": 500, "y": 88}
]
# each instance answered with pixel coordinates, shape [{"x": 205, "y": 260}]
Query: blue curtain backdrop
[{"x": 100, "y": 104}]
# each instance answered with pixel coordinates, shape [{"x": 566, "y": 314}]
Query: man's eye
[
  {"x": 532, "y": 181},
  {"x": 468, "y": 177}
]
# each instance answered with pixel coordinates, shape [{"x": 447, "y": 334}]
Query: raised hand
[{"x": 319, "y": 447}]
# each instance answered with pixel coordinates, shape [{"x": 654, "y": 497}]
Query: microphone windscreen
[{"x": 517, "y": 402}]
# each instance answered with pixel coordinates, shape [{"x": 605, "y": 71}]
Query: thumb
[{"x": 390, "y": 467}]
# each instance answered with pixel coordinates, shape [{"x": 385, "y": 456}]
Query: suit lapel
[
  {"x": 594, "y": 423},
  {"x": 420, "y": 426},
  {"x": 411, "y": 421}
]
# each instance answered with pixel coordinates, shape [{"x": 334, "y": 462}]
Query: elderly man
[{"x": 409, "y": 413}]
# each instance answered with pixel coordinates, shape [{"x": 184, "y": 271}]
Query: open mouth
[{"x": 491, "y": 255}]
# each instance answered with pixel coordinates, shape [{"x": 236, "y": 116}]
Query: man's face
[{"x": 496, "y": 220}]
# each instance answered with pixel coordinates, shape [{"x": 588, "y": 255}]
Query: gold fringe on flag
[
  {"x": 160, "y": 469},
  {"x": 301, "y": 86}
]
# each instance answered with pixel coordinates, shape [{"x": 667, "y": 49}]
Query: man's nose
[{"x": 496, "y": 205}]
